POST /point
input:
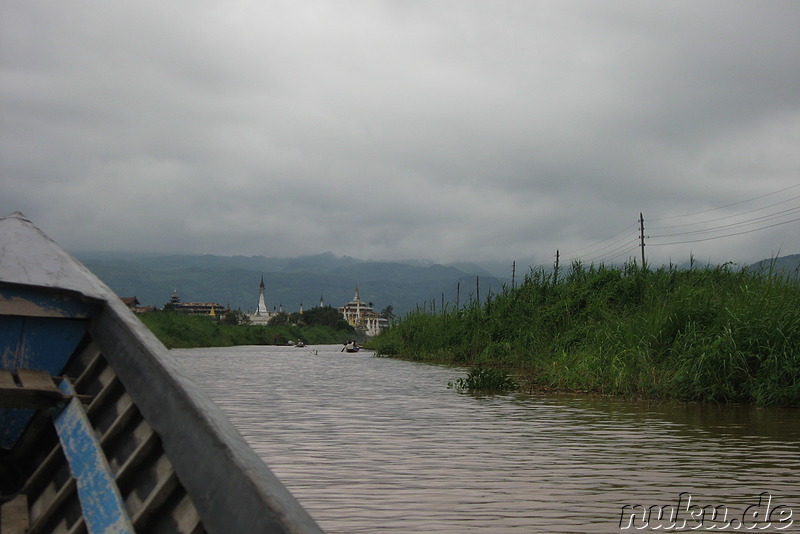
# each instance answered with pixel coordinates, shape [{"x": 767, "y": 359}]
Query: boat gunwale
[{"x": 234, "y": 490}]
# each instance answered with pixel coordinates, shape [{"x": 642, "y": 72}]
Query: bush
[{"x": 180, "y": 330}]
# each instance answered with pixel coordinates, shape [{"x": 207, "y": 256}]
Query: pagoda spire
[{"x": 262, "y": 303}]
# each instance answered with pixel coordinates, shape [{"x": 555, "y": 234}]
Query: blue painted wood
[
  {"x": 234, "y": 491},
  {"x": 34, "y": 343},
  {"x": 39, "y": 342},
  {"x": 103, "y": 507},
  {"x": 10, "y": 336},
  {"x": 45, "y": 303},
  {"x": 12, "y": 423}
]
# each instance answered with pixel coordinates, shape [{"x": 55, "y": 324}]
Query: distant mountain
[
  {"x": 788, "y": 265},
  {"x": 234, "y": 280}
]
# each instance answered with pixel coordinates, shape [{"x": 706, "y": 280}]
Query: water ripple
[{"x": 371, "y": 444}]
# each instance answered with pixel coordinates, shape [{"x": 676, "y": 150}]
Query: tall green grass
[{"x": 714, "y": 334}]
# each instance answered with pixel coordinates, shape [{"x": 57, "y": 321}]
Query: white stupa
[{"x": 262, "y": 315}]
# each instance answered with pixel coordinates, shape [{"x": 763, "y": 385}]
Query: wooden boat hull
[{"x": 172, "y": 461}]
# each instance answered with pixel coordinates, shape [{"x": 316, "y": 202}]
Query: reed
[
  {"x": 716, "y": 334},
  {"x": 485, "y": 380}
]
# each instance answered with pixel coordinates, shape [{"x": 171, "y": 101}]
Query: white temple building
[
  {"x": 362, "y": 317},
  {"x": 262, "y": 315}
]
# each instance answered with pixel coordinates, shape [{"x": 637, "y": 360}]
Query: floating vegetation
[{"x": 484, "y": 380}]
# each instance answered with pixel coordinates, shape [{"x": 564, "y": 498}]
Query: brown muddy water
[{"x": 372, "y": 444}]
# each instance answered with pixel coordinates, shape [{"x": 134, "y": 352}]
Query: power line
[
  {"x": 605, "y": 256},
  {"x": 624, "y": 252},
  {"x": 724, "y": 236},
  {"x": 727, "y": 205},
  {"x": 572, "y": 252},
  {"x": 767, "y": 217},
  {"x": 615, "y": 246},
  {"x": 725, "y": 217},
  {"x": 609, "y": 249}
]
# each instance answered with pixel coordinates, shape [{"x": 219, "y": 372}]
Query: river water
[{"x": 372, "y": 444}]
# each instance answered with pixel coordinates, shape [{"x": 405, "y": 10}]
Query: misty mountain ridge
[
  {"x": 234, "y": 280},
  {"x": 788, "y": 265}
]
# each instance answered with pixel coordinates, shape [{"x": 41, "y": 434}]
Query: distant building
[
  {"x": 362, "y": 317},
  {"x": 131, "y": 302},
  {"x": 135, "y": 306},
  {"x": 194, "y": 308},
  {"x": 262, "y": 314}
]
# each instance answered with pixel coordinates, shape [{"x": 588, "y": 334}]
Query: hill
[
  {"x": 787, "y": 265},
  {"x": 234, "y": 280}
]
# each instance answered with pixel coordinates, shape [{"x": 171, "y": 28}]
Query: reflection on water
[{"x": 371, "y": 444}]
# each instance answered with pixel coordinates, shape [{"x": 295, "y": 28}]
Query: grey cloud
[{"x": 447, "y": 130}]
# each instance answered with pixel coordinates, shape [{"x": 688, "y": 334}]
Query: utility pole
[
  {"x": 513, "y": 275},
  {"x": 555, "y": 269},
  {"x": 641, "y": 236}
]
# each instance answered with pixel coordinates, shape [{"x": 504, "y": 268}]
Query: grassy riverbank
[
  {"x": 179, "y": 330},
  {"x": 715, "y": 334}
]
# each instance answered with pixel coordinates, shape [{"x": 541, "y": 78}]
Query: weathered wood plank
[
  {"x": 36, "y": 304},
  {"x": 36, "y": 390},
  {"x": 234, "y": 491},
  {"x": 6, "y": 380},
  {"x": 103, "y": 507},
  {"x": 31, "y": 258},
  {"x": 14, "y": 518},
  {"x": 38, "y": 380},
  {"x": 49, "y": 502}
]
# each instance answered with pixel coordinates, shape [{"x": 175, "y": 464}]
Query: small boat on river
[
  {"x": 351, "y": 346},
  {"x": 99, "y": 429}
]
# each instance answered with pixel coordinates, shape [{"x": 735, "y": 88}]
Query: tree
[
  {"x": 325, "y": 316},
  {"x": 235, "y": 317},
  {"x": 296, "y": 318},
  {"x": 279, "y": 318},
  {"x": 388, "y": 313}
]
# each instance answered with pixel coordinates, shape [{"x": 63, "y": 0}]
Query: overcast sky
[{"x": 444, "y": 130}]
